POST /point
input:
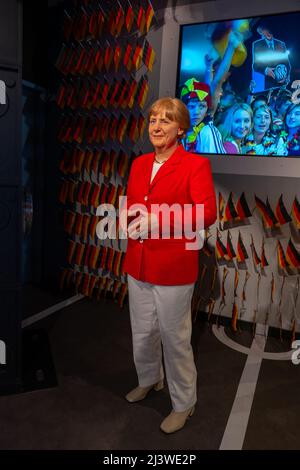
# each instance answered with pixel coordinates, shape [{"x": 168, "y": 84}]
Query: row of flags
[
  {"x": 95, "y": 162},
  {"x": 93, "y": 59},
  {"x": 93, "y": 21},
  {"x": 89, "y": 194},
  {"x": 235, "y": 212},
  {"x": 90, "y": 285},
  {"x": 97, "y": 129},
  {"x": 103, "y": 258},
  {"x": 93, "y": 94},
  {"x": 84, "y": 226},
  {"x": 288, "y": 259}
]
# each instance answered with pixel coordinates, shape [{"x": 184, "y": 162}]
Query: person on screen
[
  {"x": 202, "y": 136},
  {"x": 271, "y": 65},
  {"x": 282, "y": 103},
  {"x": 263, "y": 140},
  {"x": 162, "y": 270},
  {"x": 236, "y": 127},
  {"x": 292, "y": 126}
]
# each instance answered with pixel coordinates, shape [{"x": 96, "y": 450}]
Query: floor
[{"x": 91, "y": 349}]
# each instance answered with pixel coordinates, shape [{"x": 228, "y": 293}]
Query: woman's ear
[{"x": 180, "y": 132}]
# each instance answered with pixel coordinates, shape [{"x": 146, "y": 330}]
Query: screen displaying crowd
[{"x": 240, "y": 80}]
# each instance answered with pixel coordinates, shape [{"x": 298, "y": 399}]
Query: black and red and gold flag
[
  {"x": 230, "y": 250},
  {"x": 281, "y": 213},
  {"x": 282, "y": 261},
  {"x": 296, "y": 212},
  {"x": 242, "y": 254},
  {"x": 292, "y": 255},
  {"x": 242, "y": 207},
  {"x": 148, "y": 55},
  {"x": 268, "y": 216},
  {"x": 230, "y": 212}
]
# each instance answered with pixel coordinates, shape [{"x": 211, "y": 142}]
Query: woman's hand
[{"x": 143, "y": 224}]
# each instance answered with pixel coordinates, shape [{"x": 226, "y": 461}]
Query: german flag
[
  {"x": 87, "y": 255},
  {"x": 129, "y": 18},
  {"x": 229, "y": 247},
  {"x": 85, "y": 285},
  {"x": 242, "y": 254},
  {"x": 79, "y": 253},
  {"x": 93, "y": 281},
  {"x": 149, "y": 15},
  {"x": 120, "y": 20},
  {"x": 142, "y": 92},
  {"x": 78, "y": 225},
  {"x": 86, "y": 194},
  {"x": 221, "y": 207},
  {"x": 141, "y": 125},
  {"x": 78, "y": 279},
  {"x": 116, "y": 288},
  {"x": 119, "y": 100},
  {"x": 85, "y": 226},
  {"x": 95, "y": 195},
  {"x": 71, "y": 251},
  {"x": 117, "y": 263},
  {"x": 117, "y": 57},
  {"x": 69, "y": 221},
  {"x": 122, "y": 295},
  {"x": 113, "y": 92},
  {"x": 101, "y": 21},
  {"x": 93, "y": 224},
  {"x": 113, "y": 127},
  {"x": 127, "y": 61},
  {"x": 137, "y": 56},
  {"x": 148, "y": 55},
  {"x": 99, "y": 59},
  {"x": 292, "y": 255},
  {"x": 94, "y": 255},
  {"x": 263, "y": 259},
  {"x": 255, "y": 257},
  {"x": 282, "y": 261},
  {"x": 281, "y": 212},
  {"x": 122, "y": 164},
  {"x": 72, "y": 190},
  {"x": 268, "y": 216},
  {"x": 132, "y": 129},
  {"x": 93, "y": 25},
  {"x": 230, "y": 213},
  {"x": 296, "y": 212},
  {"x": 122, "y": 126},
  {"x": 88, "y": 161},
  {"x": 242, "y": 207},
  {"x": 104, "y": 96},
  {"x": 80, "y": 157},
  {"x": 104, "y": 253},
  {"x": 141, "y": 20},
  {"x": 221, "y": 251},
  {"x": 234, "y": 317},
  {"x": 110, "y": 25}
]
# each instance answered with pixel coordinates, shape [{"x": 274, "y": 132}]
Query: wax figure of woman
[
  {"x": 292, "y": 125},
  {"x": 236, "y": 127},
  {"x": 162, "y": 271},
  {"x": 263, "y": 140}
]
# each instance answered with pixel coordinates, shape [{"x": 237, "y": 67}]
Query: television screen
[{"x": 241, "y": 82}]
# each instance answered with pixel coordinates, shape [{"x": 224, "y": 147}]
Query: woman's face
[
  {"x": 197, "y": 110},
  {"x": 293, "y": 118},
  {"x": 241, "y": 124},
  {"x": 261, "y": 121},
  {"x": 163, "y": 132}
]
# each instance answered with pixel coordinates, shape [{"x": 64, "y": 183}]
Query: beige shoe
[
  {"x": 176, "y": 420},
  {"x": 139, "y": 393}
]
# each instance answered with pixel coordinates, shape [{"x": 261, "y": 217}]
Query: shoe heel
[
  {"x": 159, "y": 386},
  {"x": 192, "y": 410}
]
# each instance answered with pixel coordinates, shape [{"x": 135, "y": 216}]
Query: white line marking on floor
[
  {"x": 48, "y": 311},
  {"x": 236, "y": 427}
]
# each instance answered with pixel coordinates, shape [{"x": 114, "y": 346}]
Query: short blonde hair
[{"x": 175, "y": 110}]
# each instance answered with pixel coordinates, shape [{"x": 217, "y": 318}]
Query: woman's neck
[
  {"x": 165, "y": 153},
  {"x": 258, "y": 137},
  {"x": 292, "y": 132}
]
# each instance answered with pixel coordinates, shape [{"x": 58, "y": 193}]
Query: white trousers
[{"x": 162, "y": 314}]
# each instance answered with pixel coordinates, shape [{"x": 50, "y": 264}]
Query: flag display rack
[{"x": 104, "y": 64}]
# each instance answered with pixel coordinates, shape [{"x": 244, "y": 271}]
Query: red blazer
[{"x": 185, "y": 178}]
